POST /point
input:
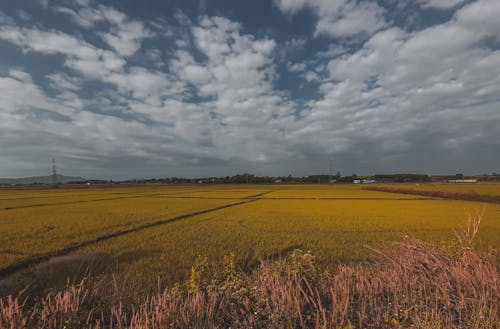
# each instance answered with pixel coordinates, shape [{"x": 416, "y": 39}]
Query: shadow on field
[
  {"x": 135, "y": 255},
  {"x": 251, "y": 262},
  {"x": 56, "y": 273}
]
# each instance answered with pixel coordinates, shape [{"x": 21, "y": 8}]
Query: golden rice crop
[
  {"x": 334, "y": 230},
  {"x": 480, "y": 188},
  {"x": 55, "y": 224},
  {"x": 337, "y": 223}
]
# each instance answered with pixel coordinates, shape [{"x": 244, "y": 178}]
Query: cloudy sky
[{"x": 155, "y": 88}]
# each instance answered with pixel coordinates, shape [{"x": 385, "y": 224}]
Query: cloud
[
  {"x": 19, "y": 92},
  {"x": 340, "y": 18},
  {"x": 85, "y": 17},
  {"x": 402, "y": 86},
  {"x": 237, "y": 77},
  {"x": 147, "y": 113},
  {"x": 352, "y": 19},
  {"x": 88, "y": 60},
  {"x": 44, "y": 3},
  {"x": 64, "y": 82},
  {"x": 384, "y": 97},
  {"x": 124, "y": 35},
  {"x": 297, "y": 67},
  {"x": 34, "y": 125},
  {"x": 80, "y": 55}
]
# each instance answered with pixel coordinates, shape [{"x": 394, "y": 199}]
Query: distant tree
[{"x": 459, "y": 176}]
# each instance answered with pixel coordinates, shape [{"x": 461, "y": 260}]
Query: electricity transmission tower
[
  {"x": 54, "y": 172},
  {"x": 330, "y": 173}
]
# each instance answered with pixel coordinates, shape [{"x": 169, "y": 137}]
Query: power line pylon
[
  {"x": 330, "y": 174},
  {"x": 54, "y": 172}
]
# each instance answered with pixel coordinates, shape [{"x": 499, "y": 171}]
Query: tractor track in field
[
  {"x": 346, "y": 198},
  {"x": 15, "y": 268},
  {"x": 291, "y": 198}
]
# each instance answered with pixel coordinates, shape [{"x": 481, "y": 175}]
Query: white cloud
[
  {"x": 84, "y": 17},
  {"x": 62, "y": 82},
  {"x": 366, "y": 17},
  {"x": 237, "y": 80},
  {"x": 291, "y": 6},
  {"x": 124, "y": 36},
  {"x": 297, "y": 67},
  {"x": 91, "y": 62},
  {"x": 81, "y": 56},
  {"x": 340, "y": 17},
  {"x": 402, "y": 94},
  {"x": 16, "y": 86},
  {"x": 196, "y": 74},
  {"x": 435, "y": 81},
  {"x": 237, "y": 76}
]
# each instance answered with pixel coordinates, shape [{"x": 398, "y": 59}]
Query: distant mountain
[{"x": 39, "y": 180}]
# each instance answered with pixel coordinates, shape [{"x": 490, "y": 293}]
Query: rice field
[
  {"x": 148, "y": 232},
  {"x": 480, "y": 188}
]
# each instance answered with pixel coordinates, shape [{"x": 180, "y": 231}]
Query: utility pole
[{"x": 54, "y": 172}]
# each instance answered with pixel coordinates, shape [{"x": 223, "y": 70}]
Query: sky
[{"x": 195, "y": 88}]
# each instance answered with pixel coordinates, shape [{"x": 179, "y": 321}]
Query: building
[{"x": 462, "y": 181}]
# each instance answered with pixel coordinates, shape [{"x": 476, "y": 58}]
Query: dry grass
[{"x": 410, "y": 285}]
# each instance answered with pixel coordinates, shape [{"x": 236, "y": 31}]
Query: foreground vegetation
[{"x": 410, "y": 285}]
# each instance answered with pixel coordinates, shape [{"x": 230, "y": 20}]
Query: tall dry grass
[{"x": 409, "y": 285}]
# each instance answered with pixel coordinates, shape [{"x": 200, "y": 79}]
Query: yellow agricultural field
[
  {"x": 331, "y": 192},
  {"x": 480, "y": 188},
  {"x": 338, "y": 223},
  {"x": 38, "y": 230},
  {"x": 335, "y": 231},
  {"x": 35, "y": 197}
]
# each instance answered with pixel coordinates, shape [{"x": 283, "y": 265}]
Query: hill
[{"x": 39, "y": 180}]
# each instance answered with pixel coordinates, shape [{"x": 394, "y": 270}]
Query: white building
[{"x": 462, "y": 181}]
